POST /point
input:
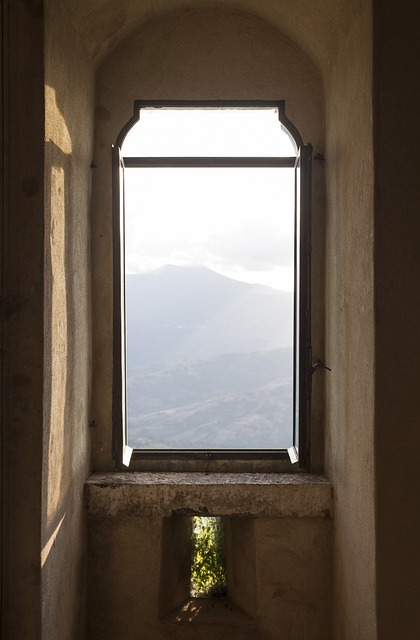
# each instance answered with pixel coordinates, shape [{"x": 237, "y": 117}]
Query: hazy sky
[{"x": 238, "y": 222}]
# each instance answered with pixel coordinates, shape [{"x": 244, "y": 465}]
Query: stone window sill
[{"x": 252, "y": 495}]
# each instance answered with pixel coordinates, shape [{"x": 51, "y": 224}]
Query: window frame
[{"x": 215, "y": 459}]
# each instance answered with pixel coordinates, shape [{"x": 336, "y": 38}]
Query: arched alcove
[
  {"x": 103, "y": 25},
  {"x": 196, "y": 55}
]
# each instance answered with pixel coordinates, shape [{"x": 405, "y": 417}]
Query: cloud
[{"x": 252, "y": 248}]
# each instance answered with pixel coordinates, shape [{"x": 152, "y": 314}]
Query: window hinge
[
  {"x": 293, "y": 454},
  {"x": 127, "y": 452}
]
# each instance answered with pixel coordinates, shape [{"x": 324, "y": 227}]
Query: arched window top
[
  {"x": 217, "y": 190},
  {"x": 212, "y": 129}
]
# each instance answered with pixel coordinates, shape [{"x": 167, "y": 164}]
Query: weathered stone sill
[{"x": 226, "y": 494}]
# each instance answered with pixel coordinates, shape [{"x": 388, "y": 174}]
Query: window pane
[
  {"x": 209, "y": 289},
  {"x": 208, "y": 132}
]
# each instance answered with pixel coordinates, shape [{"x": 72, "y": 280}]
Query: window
[
  {"x": 208, "y": 564},
  {"x": 211, "y": 284}
]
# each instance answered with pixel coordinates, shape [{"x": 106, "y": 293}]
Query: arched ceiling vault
[{"x": 316, "y": 27}]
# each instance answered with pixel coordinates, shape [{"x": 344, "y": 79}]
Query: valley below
[{"x": 209, "y": 362}]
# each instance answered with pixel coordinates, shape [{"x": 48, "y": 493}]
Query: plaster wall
[
  {"x": 103, "y": 25},
  {"x": 66, "y": 452},
  {"x": 397, "y": 294},
  {"x": 350, "y": 329},
  {"x": 191, "y": 55},
  {"x": 22, "y": 117}
]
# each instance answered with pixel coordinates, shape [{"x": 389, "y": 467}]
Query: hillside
[
  {"x": 229, "y": 401},
  {"x": 209, "y": 362}
]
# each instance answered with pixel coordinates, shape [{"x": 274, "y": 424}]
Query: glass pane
[
  {"x": 210, "y": 305},
  {"x": 123, "y": 336},
  {"x": 208, "y": 132}
]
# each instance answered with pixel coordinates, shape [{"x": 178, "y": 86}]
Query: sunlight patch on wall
[
  {"x": 49, "y": 544},
  {"x": 58, "y": 338},
  {"x": 56, "y": 129}
]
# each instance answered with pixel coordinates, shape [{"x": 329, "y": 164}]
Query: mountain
[{"x": 192, "y": 312}]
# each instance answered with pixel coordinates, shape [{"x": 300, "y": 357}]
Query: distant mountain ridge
[{"x": 192, "y": 312}]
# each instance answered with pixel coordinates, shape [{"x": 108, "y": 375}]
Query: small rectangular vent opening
[{"x": 208, "y": 564}]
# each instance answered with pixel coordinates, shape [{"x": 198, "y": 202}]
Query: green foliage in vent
[{"x": 208, "y": 571}]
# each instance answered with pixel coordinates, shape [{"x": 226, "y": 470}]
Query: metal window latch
[{"x": 319, "y": 365}]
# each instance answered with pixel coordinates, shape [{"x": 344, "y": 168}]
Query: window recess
[{"x": 211, "y": 288}]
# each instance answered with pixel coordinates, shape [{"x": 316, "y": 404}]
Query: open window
[{"x": 211, "y": 208}]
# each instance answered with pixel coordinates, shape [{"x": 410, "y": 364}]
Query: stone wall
[
  {"x": 22, "y": 284},
  {"x": 349, "y": 327},
  {"x": 278, "y": 552},
  {"x": 69, "y": 91}
]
